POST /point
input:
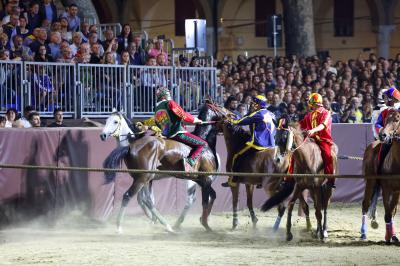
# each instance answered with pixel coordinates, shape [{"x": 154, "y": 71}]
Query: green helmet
[{"x": 162, "y": 92}]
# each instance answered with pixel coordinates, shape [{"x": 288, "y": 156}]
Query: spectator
[
  {"x": 11, "y": 27},
  {"x": 134, "y": 56},
  {"x": 4, "y": 44},
  {"x": 54, "y": 45},
  {"x": 42, "y": 56},
  {"x": 24, "y": 121},
  {"x": 125, "y": 38},
  {"x": 139, "y": 49},
  {"x": 354, "y": 113},
  {"x": 32, "y": 37},
  {"x": 94, "y": 40},
  {"x": 41, "y": 40},
  {"x": 232, "y": 104},
  {"x": 8, "y": 9},
  {"x": 34, "y": 18},
  {"x": 66, "y": 54},
  {"x": 113, "y": 48},
  {"x": 292, "y": 112},
  {"x": 48, "y": 11},
  {"x": 242, "y": 109},
  {"x": 327, "y": 105},
  {"x": 158, "y": 49},
  {"x": 124, "y": 58},
  {"x": 109, "y": 58},
  {"x": 76, "y": 42},
  {"x": 20, "y": 51},
  {"x": 11, "y": 116},
  {"x": 85, "y": 31},
  {"x": 58, "y": 118},
  {"x": 34, "y": 119},
  {"x": 367, "y": 113},
  {"x": 161, "y": 60},
  {"x": 83, "y": 54},
  {"x": 66, "y": 34},
  {"x": 95, "y": 56},
  {"x": 3, "y": 122},
  {"x": 73, "y": 20},
  {"x": 109, "y": 38},
  {"x": 22, "y": 30}
]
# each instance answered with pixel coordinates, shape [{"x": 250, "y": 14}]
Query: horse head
[
  {"x": 284, "y": 136},
  {"x": 117, "y": 125},
  {"x": 392, "y": 125}
]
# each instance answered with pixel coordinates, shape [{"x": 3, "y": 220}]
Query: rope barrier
[
  {"x": 183, "y": 173},
  {"x": 346, "y": 157}
]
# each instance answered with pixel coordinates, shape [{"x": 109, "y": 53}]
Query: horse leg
[
  {"x": 325, "y": 197},
  {"x": 155, "y": 213},
  {"x": 235, "y": 199},
  {"x": 289, "y": 235},
  {"x": 133, "y": 189},
  {"x": 318, "y": 211},
  {"x": 249, "y": 193},
  {"x": 388, "y": 215},
  {"x": 372, "y": 210},
  {"x": 306, "y": 210},
  {"x": 369, "y": 188},
  {"x": 141, "y": 196},
  {"x": 281, "y": 211},
  {"x": 190, "y": 199},
  {"x": 206, "y": 191},
  {"x": 393, "y": 206}
]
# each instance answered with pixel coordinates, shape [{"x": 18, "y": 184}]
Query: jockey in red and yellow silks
[
  {"x": 318, "y": 124},
  {"x": 169, "y": 117}
]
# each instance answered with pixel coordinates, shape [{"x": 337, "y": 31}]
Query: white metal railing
[{"x": 93, "y": 90}]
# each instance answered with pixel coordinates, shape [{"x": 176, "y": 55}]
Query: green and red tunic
[{"x": 169, "y": 117}]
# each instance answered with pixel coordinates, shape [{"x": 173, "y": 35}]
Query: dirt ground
[{"x": 77, "y": 241}]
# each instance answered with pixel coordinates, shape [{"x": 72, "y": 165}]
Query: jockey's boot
[{"x": 231, "y": 183}]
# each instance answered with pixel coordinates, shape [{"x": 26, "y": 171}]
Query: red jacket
[{"x": 316, "y": 118}]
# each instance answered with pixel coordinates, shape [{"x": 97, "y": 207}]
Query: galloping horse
[
  {"x": 260, "y": 162},
  {"x": 307, "y": 160},
  {"x": 151, "y": 153},
  {"x": 391, "y": 165}
]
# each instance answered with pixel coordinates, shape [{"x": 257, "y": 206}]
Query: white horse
[{"x": 119, "y": 127}]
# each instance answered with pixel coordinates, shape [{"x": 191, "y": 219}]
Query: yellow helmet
[
  {"x": 260, "y": 100},
  {"x": 315, "y": 99}
]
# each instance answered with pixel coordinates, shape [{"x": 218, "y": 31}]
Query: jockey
[
  {"x": 375, "y": 114},
  {"x": 394, "y": 98},
  {"x": 169, "y": 117},
  {"x": 262, "y": 129},
  {"x": 318, "y": 123}
]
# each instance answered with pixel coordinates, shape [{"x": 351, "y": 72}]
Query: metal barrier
[
  {"x": 187, "y": 53},
  {"x": 102, "y": 88},
  {"x": 115, "y": 27},
  {"x": 144, "y": 80},
  {"x": 11, "y": 86},
  {"x": 194, "y": 84},
  {"x": 93, "y": 90},
  {"x": 50, "y": 86}
]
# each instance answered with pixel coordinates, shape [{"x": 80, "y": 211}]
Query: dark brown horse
[
  {"x": 391, "y": 165},
  {"x": 307, "y": 160},
  {"x": 260, "y": 162},
  {"x": 152, "y": 153}
]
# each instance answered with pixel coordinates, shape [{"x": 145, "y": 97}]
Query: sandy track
[{"x": 77, "y": 241}]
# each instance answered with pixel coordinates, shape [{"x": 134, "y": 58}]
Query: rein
[{"x": 301, "y": 144}]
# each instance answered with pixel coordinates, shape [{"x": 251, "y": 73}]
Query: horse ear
[{"x": 114, "y": 110}]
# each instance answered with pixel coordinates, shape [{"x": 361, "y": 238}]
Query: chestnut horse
[
  {"x": 307, "y": 160},
  {"x": 260, "y": 162},
  {"x": 390, "y": 166}
]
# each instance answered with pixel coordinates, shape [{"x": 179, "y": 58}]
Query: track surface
[{"x": 77, "y": 241}]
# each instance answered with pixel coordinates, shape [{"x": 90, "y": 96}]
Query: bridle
[
  {"x": 117, "y": 131},
  {"x": 291, "y": 150}
]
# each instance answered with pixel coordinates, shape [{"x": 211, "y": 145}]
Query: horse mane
[{"x": 239, "y": 134}]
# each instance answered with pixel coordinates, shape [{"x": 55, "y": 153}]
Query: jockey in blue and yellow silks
[{"x": 262, "y": 129}]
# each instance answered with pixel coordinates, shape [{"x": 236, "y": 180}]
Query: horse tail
[
  {"x": 113, "y": 161},
  {"x": 279, "y": 197}
]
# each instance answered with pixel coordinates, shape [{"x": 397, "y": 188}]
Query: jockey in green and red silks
[{"x": 169, "y": 117}]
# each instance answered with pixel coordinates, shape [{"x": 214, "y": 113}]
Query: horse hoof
[
  {"x": 395, "y": 239},
  {"x": 363, "y": 237},
  {"x": 374, "y": 224},
  {"x": 289, "y": 237},
  {"x": 169, "y": 229},
  {"x": 325, "y": 234},
  {"x": 119, "y": 230},
  {"x": 177, "y": 227}
]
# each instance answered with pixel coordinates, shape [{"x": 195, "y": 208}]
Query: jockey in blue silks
[{"x": 262, "y": 130}]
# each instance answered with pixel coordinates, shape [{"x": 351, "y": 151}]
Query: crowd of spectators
[
  {"x": 351, "y": 89},
  {"x": 32, "y": 30}
]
